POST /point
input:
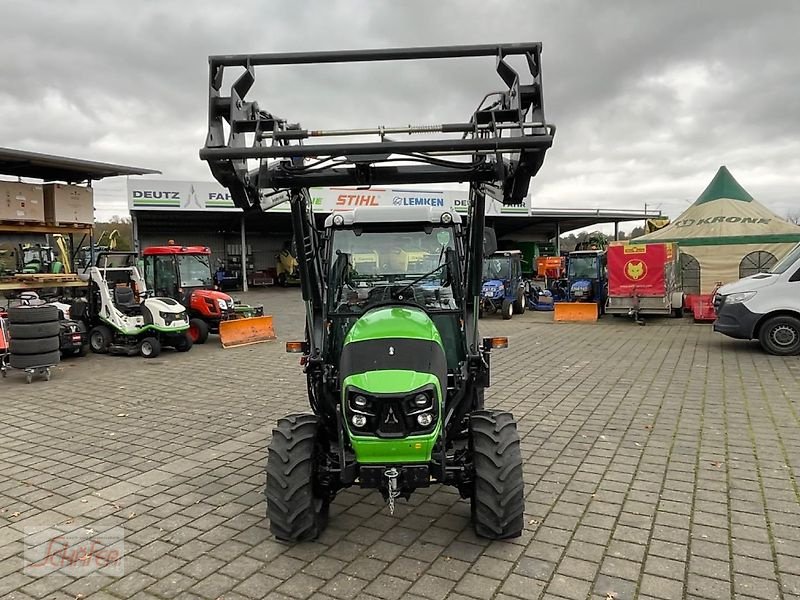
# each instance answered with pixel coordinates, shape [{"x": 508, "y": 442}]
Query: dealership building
[{"x": 203, "y": 213}]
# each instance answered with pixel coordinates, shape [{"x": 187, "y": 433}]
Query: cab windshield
[
  {"x": 496, "y": 268},
  {"x": 787, "y": 261},
  {"x": 583, "y": 267},
  {"x": 371, "y": 267},
  {"x": 195, "y": 270}
]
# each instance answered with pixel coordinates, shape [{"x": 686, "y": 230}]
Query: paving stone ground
[{"x": 660, "y": 462}]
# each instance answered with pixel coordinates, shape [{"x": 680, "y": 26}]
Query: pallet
[{"x": 39, "y": 227}]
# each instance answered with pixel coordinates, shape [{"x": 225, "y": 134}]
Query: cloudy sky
[{"x": 650, "y": 98}]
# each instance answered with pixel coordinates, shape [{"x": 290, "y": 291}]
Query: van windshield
[{"x": 787, "y": 261}]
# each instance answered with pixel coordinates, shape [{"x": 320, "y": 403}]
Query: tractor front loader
[{"x": 394, "y": 362}]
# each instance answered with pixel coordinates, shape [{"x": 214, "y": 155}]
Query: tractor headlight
[
  {"x": 359, "y": 420},
  {"x": 447, "y": 218},
  {"x": 360, "y": 401},
  {"x": 422, "y": 400},
  {"x": 222, "y": 304},
  {"x": 425, "y": 419}
]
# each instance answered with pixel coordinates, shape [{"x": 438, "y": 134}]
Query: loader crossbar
[{"x": 503, "y": 142}]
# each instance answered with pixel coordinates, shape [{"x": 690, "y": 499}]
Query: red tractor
[{"x": 184, "y": 274}]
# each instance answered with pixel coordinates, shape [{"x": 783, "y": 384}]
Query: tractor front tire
[
  {"x": 498, "y": 498},
  {"x": 507, "y": 309},
  {"x": 297, "y": 509},
  {"x": 519, "y": 304},
  {"x": 198, "y": 330}
]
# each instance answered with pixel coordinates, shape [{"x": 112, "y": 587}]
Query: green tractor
[{"x": 395, "y": 365}]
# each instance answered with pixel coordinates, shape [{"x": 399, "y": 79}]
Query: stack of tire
[{"x": 35, "y": 336}]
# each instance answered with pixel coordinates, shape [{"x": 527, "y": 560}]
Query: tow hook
[{"x": 392, "y": 475}]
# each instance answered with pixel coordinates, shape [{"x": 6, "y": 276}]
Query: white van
[{"x": 764, "y": 307}]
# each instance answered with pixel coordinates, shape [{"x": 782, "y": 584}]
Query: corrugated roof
[{"x": 47, "y": 167}]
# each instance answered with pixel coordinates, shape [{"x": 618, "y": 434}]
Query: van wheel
[{"x": 780, "y": 335}]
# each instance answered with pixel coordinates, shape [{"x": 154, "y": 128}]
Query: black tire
[
  {"x": 39, "y": 346},
  {"x": 519, "y": 304},
  {"x": 26, "y": 361},
  {"x": 32, "y": 314},
  {"x": 198, "y": 330},
  {"x": 296, "y": 507},
  {"x": 32, "y": 331},
  {"x": 498, "y": 498},
  {"x": 150, "y": 347},
  {"x": 183, "y": 342},
  {"x": 282, "y": 280},
  {"x": 677, "y": 313},
  {"x": 507, "y": 309},
  {"x": 100, "y": 339},
  {"x": 780, "y": 335}
]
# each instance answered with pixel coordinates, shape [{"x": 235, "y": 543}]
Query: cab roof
[
  {"x": 392, "y": 214},
  {"x": 175, "y": 249}
]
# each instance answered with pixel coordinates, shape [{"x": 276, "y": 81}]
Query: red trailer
[{"x": 644, "y": 279}]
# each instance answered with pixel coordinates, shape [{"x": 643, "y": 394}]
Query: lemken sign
[{"x": 155, "y": 194}]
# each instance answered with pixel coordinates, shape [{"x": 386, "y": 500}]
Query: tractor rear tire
[
  {"x": 40, "y": 346},
  {"x": 198, "y": 330},
  {"x": 32, "y": 331},
  {"x": 296, "y": 507},
  {"x": 27, "y": 361},
  {"x": 32, "y": 314},
  {"x": 507, "y": 309},
  {"x": 498, "y": 498},
  {"x": 100, "y": 339},
  {"x": 150, "y": 347}
]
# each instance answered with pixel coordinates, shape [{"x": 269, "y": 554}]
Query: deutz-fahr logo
[{"x": 635, "y": 270}]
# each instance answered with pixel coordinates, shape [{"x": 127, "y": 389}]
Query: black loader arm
[{"x": 258, "y": 155}]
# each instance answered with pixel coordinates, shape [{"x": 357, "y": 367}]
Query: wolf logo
[{"x": 635, "y": 270}]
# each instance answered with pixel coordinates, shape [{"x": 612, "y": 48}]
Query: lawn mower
[
  {"x": 125, "y": 317},
  {"x": 394, "y": 362}
]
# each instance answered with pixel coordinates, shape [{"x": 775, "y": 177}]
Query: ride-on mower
[
  {"x": 503, "y": 289},
  {"x": 395, "y": 365},
  {"x": 121, "y": 324},
  {"x": 183, "y": 273}
]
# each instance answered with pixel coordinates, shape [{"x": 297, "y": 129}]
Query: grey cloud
[{"x": 649, "y": 97}]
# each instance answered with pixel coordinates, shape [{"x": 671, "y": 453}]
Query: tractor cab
[
  {"x": 587, "y": 276},
  {"x": 397, "y": 265}
]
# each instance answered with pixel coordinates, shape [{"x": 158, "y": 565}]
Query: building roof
[{"x": 47, "y": 167}]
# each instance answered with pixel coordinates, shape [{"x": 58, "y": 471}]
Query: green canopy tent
[{"x": 725, "y": 235}]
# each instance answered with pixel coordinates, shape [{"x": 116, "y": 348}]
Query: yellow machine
[{"x": 575, "y": 311}]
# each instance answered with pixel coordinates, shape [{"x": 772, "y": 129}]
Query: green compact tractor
[{"x": 395, "y": 366}]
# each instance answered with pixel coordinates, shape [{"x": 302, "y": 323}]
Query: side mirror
[{"x": 489, "y": 242}]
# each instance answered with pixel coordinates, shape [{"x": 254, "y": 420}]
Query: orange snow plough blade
[
  {"x": 575, "y": 311},
  {"x": 249, "y": 330}
]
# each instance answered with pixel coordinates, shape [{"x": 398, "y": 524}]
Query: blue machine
[
  {"x": 503, "y": 289},
  {"x": 587, "y": 277}
]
